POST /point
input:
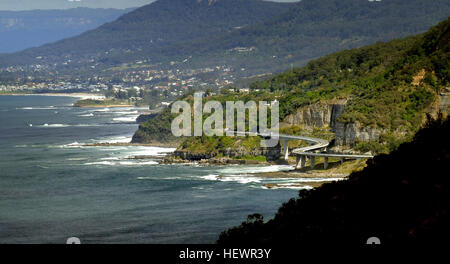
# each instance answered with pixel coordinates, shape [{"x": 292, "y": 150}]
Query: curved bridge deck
[{"x": 303, "y": 153}]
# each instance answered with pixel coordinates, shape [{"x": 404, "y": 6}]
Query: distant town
[{"x": 137, "y": 82}]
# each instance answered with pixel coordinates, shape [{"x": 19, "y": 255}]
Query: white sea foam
[
  {"x": 37, "y": 108},
  {"x": 128, "y": 119},
  {"x": 54, "y": 125},
  {"x": 101, "y": 110},
  {"x": 318, "y": 179},
  {"x": 67, "y": 125},
  {"x": 122, "y": 163},
  {"x": 71, "y": 145},
  {"x": 240, "y": 179},
  {"x": 254, "y": 169},
  {"x": 111, "y": 158},
  {"x": 289, "y": 186},
  {"x": 133, "y": 112},
  {"x": 76, "y": 159},
  {"x": 87, "y": 115},
  {"x": 243, "y": 179},
  {"x": 150, "y": 151},
  {"x": 211, "y": 177},
  {"x": 118, "y": 139}
]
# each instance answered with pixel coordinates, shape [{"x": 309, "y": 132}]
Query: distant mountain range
[
  {"x": 255, "y": 35},
  {"x": 19, "y": 5},
  {"x": 25, "y": 29}
]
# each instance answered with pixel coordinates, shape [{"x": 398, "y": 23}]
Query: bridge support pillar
[
  {"x": 285, "y": 149},
  {"x": 325, "y": 163},
  {"x": 313, "y": 162},
  {"x": 300, "y": 162}
]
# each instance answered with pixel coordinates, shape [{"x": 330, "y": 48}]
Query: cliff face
[
  {"x": 323, "y": 115},
  {"x": 351, "y": 133},
  {"x": 316, "y": 115}
]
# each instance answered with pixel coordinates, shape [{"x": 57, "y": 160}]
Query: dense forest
[
  {"x": 158, "y": 24},
  {"x": 275, "y": 35}
]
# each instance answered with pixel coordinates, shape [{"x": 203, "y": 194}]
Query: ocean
[{"x": 52, "y": 187}]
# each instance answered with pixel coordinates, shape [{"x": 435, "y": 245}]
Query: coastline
[
  {"x": 306, "y": 178},
  {"x": 104, "y": 106},
  {"x": 76, "y": 95},
  {"x": 122, "y": 144}
]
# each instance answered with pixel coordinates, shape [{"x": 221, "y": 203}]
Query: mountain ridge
[{"x": 307, "y": 30}]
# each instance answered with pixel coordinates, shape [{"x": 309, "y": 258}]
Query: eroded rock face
[
  {"x": 317, "y": 115},
  {"x": 324, "y": 115},
  {"x": 351, "y": 133}
]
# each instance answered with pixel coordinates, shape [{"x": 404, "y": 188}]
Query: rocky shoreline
[
  {"x": 318, "y": 175},
  {"x": 121, "y": 144}
]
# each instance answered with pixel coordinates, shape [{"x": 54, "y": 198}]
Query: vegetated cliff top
[
  {"x": 389, "y": 85},
  {"x": 378, "y": 81},
  {"x": 402, "y": 198}
]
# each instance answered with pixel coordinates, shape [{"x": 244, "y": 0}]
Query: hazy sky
[{"x": 59, "y": 4}]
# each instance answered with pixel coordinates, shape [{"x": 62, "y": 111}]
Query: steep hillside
[
  {"x": 25, "y": 29},
  {"x": 387, "y": 88},
  {"x": 314, "y": 28},
  {"x": 401, "y": 198},
  {"x": 371, "y": 98},
  {"x": 251, "y": 36},
  {"x": 158, "y": 24}
]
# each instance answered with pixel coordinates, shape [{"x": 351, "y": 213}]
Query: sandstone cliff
[{"x": 326, "y": 115}]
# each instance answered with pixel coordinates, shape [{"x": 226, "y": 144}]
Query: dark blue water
[{"x": 52, "y": 187}]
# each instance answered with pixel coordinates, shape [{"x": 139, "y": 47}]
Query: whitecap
[
  {"x": 87, "y": 115},
  {"x": 76, "y": 159},
  {"x": 125, "y": 112},
  {"x": 240, "y": 179},
  {"x": 72, "y": 145},
  {"x": 111, "y": 158},
  {"x": 148, "y": 163},
  {"x": 234, "y": 178},
  {"x": 255, "y": 169},
  {"x": 150, "y": 151},
  {"x": 37, "y": 108},
  {"x": 318, "y": 179},
  {"x": 121, "y": 163},
  {"x": 294, "y": 187},
  {"x": 126, "y": 119},
  {"x": 101, "y": 110},
  {"x": 54, "y": 125},
  {"x": 211, "y": 177},
  {"x": 119, "y": 139}
]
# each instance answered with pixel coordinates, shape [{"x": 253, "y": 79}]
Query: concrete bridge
[{"x": 315, "y": 149}]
